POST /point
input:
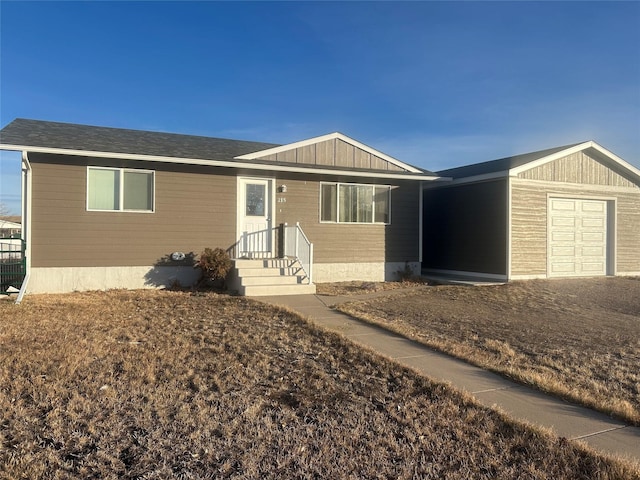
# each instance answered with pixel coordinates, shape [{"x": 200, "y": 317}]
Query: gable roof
[
  {"x": 84, "y": 140},
  {"x": 329, "y": 137},
  {"x": 501, "y": 164},
  {"x": 511, "y": 166}
]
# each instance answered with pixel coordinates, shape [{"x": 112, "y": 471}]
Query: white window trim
[
  {"x": 373, "y": 206},
  {"x": 121, "y": 189}
]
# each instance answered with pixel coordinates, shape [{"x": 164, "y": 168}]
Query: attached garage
[{"x": 571, "y": 211}]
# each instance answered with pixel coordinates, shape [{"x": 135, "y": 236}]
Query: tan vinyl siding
[
  {"x": 193, "y": 210},
  {"x": 465, "y": 228},
  {"x": 628, "y": 251},
  {"x": 353, "y": 243},
  {"x": 528, "y": 229},
  {"x": 333, "y": 152},
  {"x": 577, "y": 168},
  {"x": 529, "y": 223}
]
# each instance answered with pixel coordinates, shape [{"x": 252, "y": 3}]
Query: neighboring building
[
  {"x": 10, "y": 227},
  {"x": 565, "y": 212},
  {"x": 107, "y": 208}
]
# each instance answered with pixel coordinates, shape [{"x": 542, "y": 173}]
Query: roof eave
[{"x": 223, "y": 163}]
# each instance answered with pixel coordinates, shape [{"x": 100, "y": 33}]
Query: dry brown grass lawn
[
  {"x": 176, "y": 385},
  {"x": 579, "y": 339}
]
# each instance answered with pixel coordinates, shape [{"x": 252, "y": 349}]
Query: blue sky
[{"x": 435, "y": 84}]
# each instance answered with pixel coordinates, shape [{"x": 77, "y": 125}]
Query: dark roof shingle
[
  {"x": 500, "y": 165},
  {"x": 37, "y": 133}
]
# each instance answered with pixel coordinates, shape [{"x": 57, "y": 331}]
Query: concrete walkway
[{"x": 565, "y": 419}]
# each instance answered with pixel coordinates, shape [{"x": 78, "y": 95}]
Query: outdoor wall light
[
  {"x": 177, "y": 256},
  {"x": 282, "y": 189}
]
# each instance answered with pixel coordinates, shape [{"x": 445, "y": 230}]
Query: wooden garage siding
[
  {"x": 193, "y": 211},
  {"x": 353, "y": 243},
  {"x": 529, "y": 223},
  {"x": 465, "y": 228},
  {"x": 628, "y": 253},
  {"x": 333, "y": 152},
  {"x": 577, "y": 168}
]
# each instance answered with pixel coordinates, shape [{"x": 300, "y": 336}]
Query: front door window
[{"x": 255, "y": 200}]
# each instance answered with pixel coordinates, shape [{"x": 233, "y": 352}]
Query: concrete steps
[{"x": 270, "y": 276}]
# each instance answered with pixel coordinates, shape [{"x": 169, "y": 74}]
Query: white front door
[{"x": 255, "y": 232}]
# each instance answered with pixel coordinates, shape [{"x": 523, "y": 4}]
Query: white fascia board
[
  {"x": 463, "y": 180},
  {"x": 323, "y": 138},
  {"x": 635, "y": 171},
  {"x": 220, "y": 163}
]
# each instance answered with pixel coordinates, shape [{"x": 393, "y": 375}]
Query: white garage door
[{"x": 577, "y": 237}]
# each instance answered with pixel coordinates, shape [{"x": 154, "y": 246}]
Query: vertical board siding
[
  {"x": 307, "y": 154},
  {"x": 529, "y": 224},
  {"x": 353, "y": 243},
  {"x": 192, "y": 211},
  {"x": 345, "y": 154},
  {"x": 577, "y": 168},
  {"x": 288, "y": 156},
  {"x": 465, "y": 228},
  {"x": 378, "y": 164},
  {"x": 325, "y": 152},
  {"x": 333, "y": 152},
  {"x": 362, "y": 159}
]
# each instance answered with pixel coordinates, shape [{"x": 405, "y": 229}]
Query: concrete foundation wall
[
  {"x": 77, "y": 279},
  {"x": 370, "y": 272}
]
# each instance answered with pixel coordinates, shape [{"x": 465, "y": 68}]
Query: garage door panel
[
  {"x": 590, "y": 222},
  {"x": 563, "y": 204},
  {"x": 567, "y": 251},
  {"x": 593, "y": 267},
  {"x": 567, "y": 268},
  {"x": 597, "y": 251},
  {"x": 595, "y": 206},
  {"x": 563, "y": 236},
  {"x": 591, "y": 237},
  {"x": 564, "y": 222},
  {"x": 577, "y": 237}
]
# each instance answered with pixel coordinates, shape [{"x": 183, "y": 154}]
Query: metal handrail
[
  {"x": 297, "y": 245},
  {"x": 12, "y": 264}
]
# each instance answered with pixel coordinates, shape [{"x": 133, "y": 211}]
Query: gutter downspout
[{"x": 26, "y": 175}]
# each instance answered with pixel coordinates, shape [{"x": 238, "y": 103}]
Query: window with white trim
[
  {"x": 355, "y": 203},
  {"x": 120, "y": 189}
]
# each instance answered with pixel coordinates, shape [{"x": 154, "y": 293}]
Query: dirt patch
[
  {"x": 576, "y": 338},
  {"x": 347, "y": 289},
  {"x": 179, "y": 385}
]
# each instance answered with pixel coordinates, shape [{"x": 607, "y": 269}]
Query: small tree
[
  {"x": 4, "y": 210},
  {"x": 214, "y": 264}
]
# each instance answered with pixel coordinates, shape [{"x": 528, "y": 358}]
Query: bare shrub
[{"x": 215, "y": 264}]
